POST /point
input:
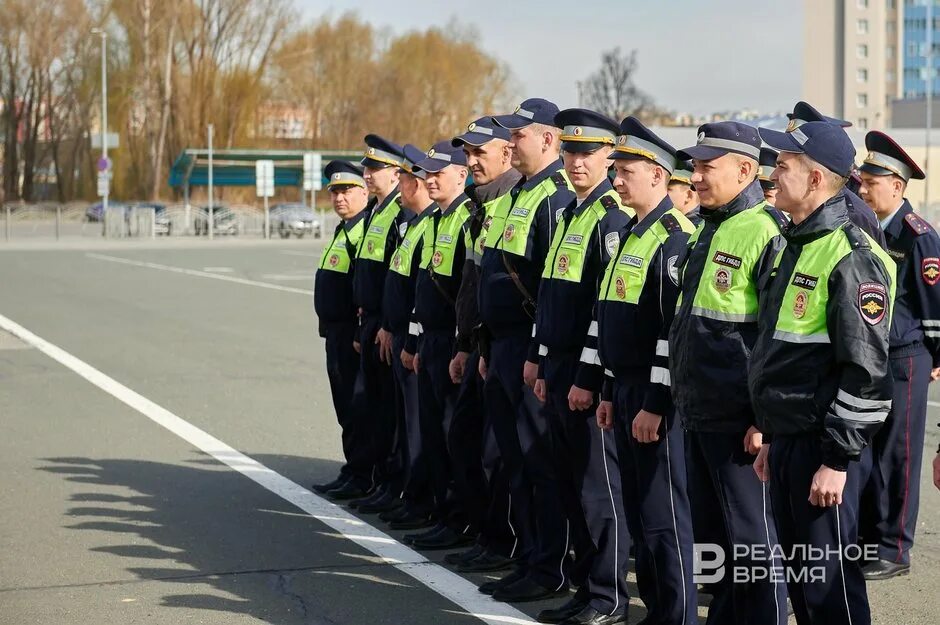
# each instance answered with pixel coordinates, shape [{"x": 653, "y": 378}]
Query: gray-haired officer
[
  {"x": 682, "y": 193},
  {"x": 337, "y": 319},
  {"x": 479, "y": 479},
  {"x": 891, "y": 499},
  {"x": 860, "y": 213}
]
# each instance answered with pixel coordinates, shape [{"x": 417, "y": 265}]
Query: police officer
[
  {"x": 818, "y": 375},
  {"x": 397, "y": 305},
  {"x": 767, "y": 162},
  {"x": 636, "y": 303},
  {"x": 478, "y": 479},
  {"x": 682, "y": 194},
  {"x": 514, "y": 252},
  {"x": 711, "y": 336},
  {"x": 585, "y": 457},
  {"x": 336, "y": 313},
  {"x": 892, "y": 494},
  {"x": 374, "y": 383},
  {"x": 443, "y": 251},
  {"x": 859, "y": 212}
]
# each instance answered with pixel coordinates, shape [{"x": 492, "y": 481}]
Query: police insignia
[
  {"x": 558, "y": 214},
  {"x": 370, "y": 246},
  {"x": 672, "y": 270},
  {"x": 471, "y": 126},
  {"x": 509, "y": 232},
  {"x": 799, "y": 304},
  {"x": 402, "y": 229},
  {"x": 437, "y": 259},
  {"x": 722, "y": 280},
  {"x": 791, "y": 126},
  {"x": 578, "y": 131},
  {"x": 621, "y": 287},
  {"x": 371, "y": 151},
  {"x": 563, "y": 264},
  {"x": 487, "y": 222},
  {"x": 700, "y": 138},
  {"x": 431, "y": 153},
  {"x": 930, "y": 270},
  {"x": 872, "y": 302},
  {"x": 622, "y": 140},
  {"x": 396, "y": 261},
  {"x": 336, "y": 176},
  {"x": 334, "y": 260},
  {"x": 612, "y": 243}
]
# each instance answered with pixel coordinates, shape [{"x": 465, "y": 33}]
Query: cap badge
[
  {"x": 578, "y": 131},
  {"x": 431, "y": 153},
  {"x": 701, "y": 137},
  {"x": 471, "y": 126},
  {"x": 371, "y": 151},
  {"x": 622, "y": 140},
  {"x": 517, "y": 109},
  {"x": 336, "y": 176}
]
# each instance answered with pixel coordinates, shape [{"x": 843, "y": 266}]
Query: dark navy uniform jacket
[
  {"x": 915, "y": 247},
  {"x": 332, "y": 290}
]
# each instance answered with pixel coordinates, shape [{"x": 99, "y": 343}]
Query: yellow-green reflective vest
[
  {"x": 627, "y": 270},
  {"x": 441, "y": 237},
  {"x": 802, "y": 318},
  {"x": 568, "y": 251},
  {"x": 726, "y": 290},
  {"x": 372, "y": 246},
  {"x": 511, "y": 228},
  {"x": 404, "y": 253},
  {"x": 336, "y": 255}
]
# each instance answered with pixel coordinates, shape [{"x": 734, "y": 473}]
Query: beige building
[{"x": 852, "y": 58}]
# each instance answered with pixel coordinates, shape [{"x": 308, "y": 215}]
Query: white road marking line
[
  {"x": 200, "y": 274},
  {"x": 219, "y": 269},
  {"x": 442, "y": 581},
  {"x": 933, "y": 404},
  {"x": 286, "y": 277}
]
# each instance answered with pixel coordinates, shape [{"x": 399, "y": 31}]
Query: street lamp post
[{"x": 104, "y": 120}]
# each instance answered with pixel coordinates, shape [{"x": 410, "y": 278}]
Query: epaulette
[
  {"x": 670, "y": 223},
  {"x": 559, "y": 179},
  {"x": 856, "y": 236},
  {"x": 609, "y": 203},
  {"x": 917, "y": 223},
  {"x": 779, "y": 217}
]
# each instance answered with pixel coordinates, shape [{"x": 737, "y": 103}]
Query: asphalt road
[{"x": 110, "y": 515}]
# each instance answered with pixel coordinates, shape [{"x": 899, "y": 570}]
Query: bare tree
[{"x": 611, "y": 89}]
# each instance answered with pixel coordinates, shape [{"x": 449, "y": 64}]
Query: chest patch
[
  {"x": 723, "y": 279},
  {"x": 573, "y": 239},
  {"x": 799, "y": 304},
  {"x": 727, "y": 260},
  {"x": 804, "y": 281}
]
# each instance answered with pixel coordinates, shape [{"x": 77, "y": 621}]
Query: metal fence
[{"x": 143, "y": 221}]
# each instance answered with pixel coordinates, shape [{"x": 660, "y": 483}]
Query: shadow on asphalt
[{"x": 270, "y": 560}]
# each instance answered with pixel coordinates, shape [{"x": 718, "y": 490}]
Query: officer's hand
[
  {"x": 530, "y": 371},
  {"x": 579, "y": 398},
  {"x": 935, "y": 374},
  {"x": 752, "y": 440},
  {"x": 539, "y": 390},
  {"x": 357, "y": 347},
  {"x": 605, "y": 415},
  {"x": 481, "y": 367},
  {"x": 407, "y": 360},
  {"x": 936, "y": 470},
  {"x": 417, "y": 362},
  {"x": 761, "y": 466},
  {"x": 827, "y": 487},
  {"x": 646, "y": 426},
  {"x": 384, "y": 340},
  {"x": 457, "y": 365}
]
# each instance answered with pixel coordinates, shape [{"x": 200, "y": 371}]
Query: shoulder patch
[
  {"x": 856, "y": 236},
  {"x": 670, "y": 223},
  {"x": 609, "y": 203},
  {"x": 917, "y": 223},
  {"x": 872, "y": 302},
  {"x": 559, "y": 179},
  {"x": 930, "y": 270},
  {"x": 779, "y": 217}
]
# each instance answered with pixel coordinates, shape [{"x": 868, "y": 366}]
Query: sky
[{"x": 694, "y": 56}]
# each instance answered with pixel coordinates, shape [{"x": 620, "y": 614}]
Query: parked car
[
  {"x": 225, "y": 220},
  {"x": 95, "y": 212},
  {"x": 162, "y": 223},
  {"x": 294, "y": 219}
]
